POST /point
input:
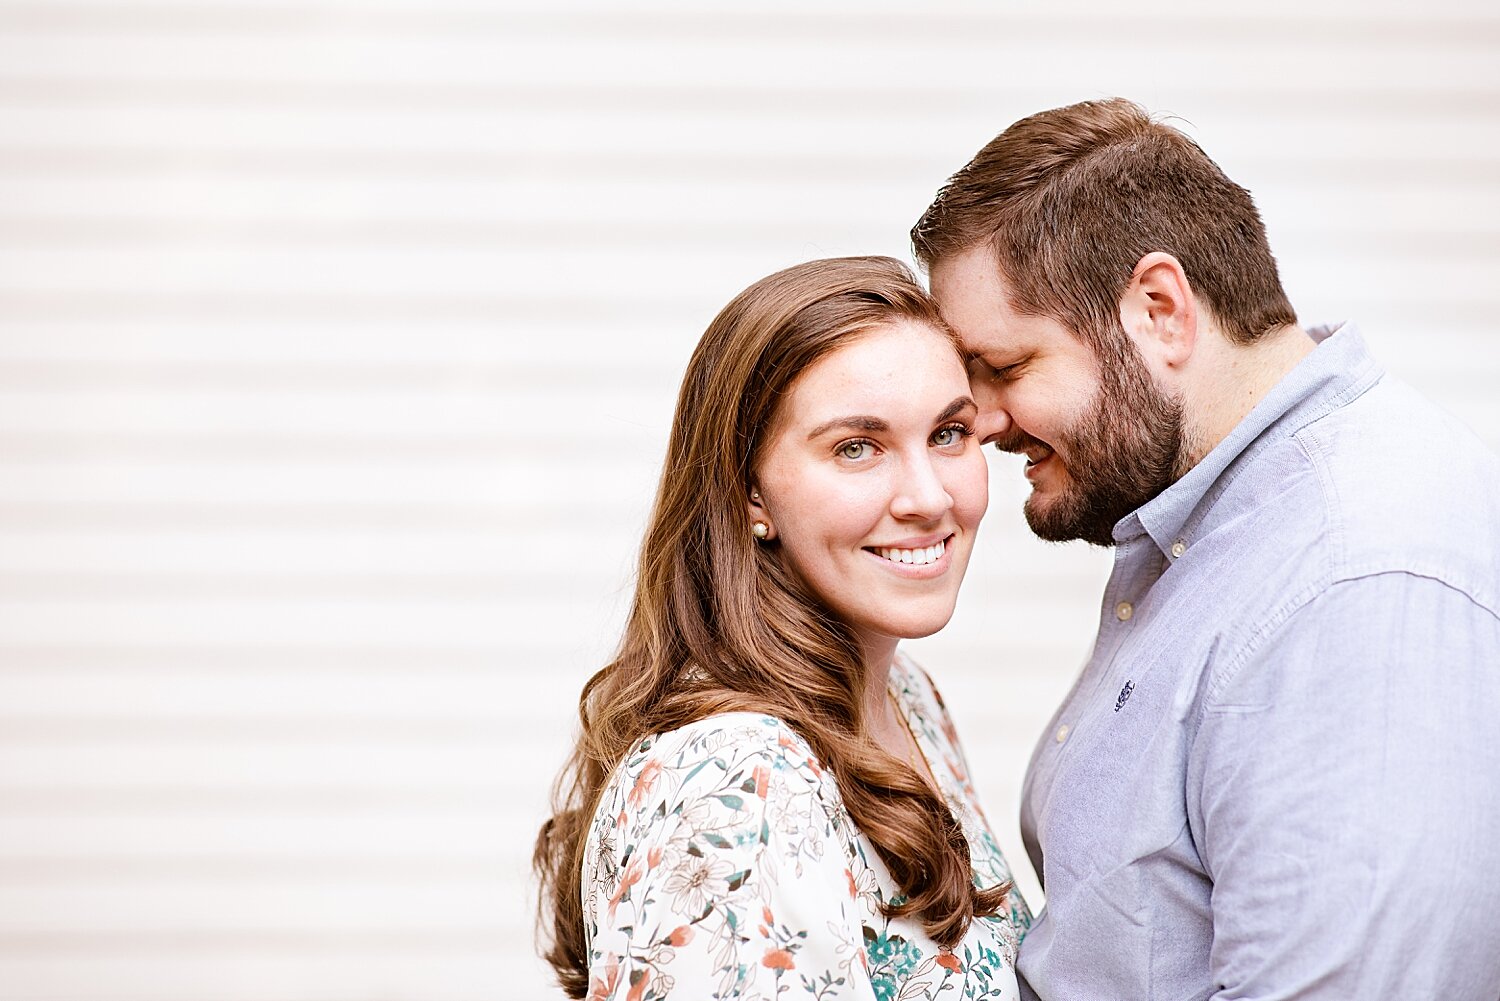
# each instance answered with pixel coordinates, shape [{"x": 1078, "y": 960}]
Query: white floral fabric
[{"x": 722, "y": 864}]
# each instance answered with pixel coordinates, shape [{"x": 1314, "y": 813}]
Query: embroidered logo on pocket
[{"x": 1124, "y": 695}]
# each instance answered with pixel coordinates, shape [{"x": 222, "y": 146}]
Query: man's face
[{"x": 1100, "y": 440}]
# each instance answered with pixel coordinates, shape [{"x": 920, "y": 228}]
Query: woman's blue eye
[
  {"x": 854, "y": 449},
  {"x": 950, "y": 435}
]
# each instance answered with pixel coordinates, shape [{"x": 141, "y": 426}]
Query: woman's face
[{"x": 873, "y": 484}]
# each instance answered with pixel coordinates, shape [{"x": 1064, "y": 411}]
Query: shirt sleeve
[
  {"x": 736, "y": 883},
  {"x": 1344, "y": 790}
]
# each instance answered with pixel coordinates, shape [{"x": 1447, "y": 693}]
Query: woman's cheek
[{"x": 972, "y": 496}]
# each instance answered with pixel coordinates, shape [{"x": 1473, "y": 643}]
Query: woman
[{"x": 766, "y": 799}]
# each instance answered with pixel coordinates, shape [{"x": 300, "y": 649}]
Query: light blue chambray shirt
[{"x": 1278, "y": 775}]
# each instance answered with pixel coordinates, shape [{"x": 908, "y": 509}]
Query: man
[{"x": 1278, "y": 776}]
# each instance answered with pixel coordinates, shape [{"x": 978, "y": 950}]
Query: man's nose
[{"x": 992, "y": 422}]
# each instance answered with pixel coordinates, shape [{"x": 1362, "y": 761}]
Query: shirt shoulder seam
[{"x": 1284, "y": 612}]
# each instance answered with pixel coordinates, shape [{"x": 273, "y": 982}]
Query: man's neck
[{"x": 1234, "y": 380}]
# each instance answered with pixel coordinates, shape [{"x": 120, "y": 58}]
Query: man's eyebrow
[{"x": 857, "y": 422}]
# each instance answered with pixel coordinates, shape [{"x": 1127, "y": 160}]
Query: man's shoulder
[
  {"x": 1380, "y": 513},
  {"x": 1404, "y": 486},
  {"x": 1396, "y": 429},
  {"x": 1386, "y": 483}
]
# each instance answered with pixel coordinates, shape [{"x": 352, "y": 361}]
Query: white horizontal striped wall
[{"x": 338, "y": 343}]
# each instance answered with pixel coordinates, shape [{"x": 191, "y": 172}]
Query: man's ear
[{"x": 1159, "y": 312}]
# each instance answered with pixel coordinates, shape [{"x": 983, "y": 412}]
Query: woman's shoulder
[
  {"x": 746, "y": 749},
  {"x": 737, "y": 782},
  {"x": 747, "y": 732},
  {"x": 708, "y": 831}
]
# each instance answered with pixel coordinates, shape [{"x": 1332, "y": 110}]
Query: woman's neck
[
  {"x": 879, "y": 655},
  {"x": 884, "y": 723}
]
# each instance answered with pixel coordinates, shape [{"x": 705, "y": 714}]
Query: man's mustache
[{"x": 1016, "y": 440}]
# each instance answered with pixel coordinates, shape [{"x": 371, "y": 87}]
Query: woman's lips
[
  {"x": 916, "y": 561},
  {"x": 915, "y": 557}
]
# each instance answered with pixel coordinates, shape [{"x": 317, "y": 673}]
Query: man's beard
[{"x": 1128, "y": 447}]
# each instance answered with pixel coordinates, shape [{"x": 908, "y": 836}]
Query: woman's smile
[{"x": 915, "y": 560}]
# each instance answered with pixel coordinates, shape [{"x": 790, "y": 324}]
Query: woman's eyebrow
[
  {"x": 858, "y": 422},
  {"x": 955, "y": 408},
  {"x": 875, "y": 425}
]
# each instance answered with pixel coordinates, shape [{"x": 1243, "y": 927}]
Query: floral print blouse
[{"x": 722, "y": 864}]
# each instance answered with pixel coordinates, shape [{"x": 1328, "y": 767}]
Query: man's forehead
[
  {"x": 969, "y": 287},
  {"x": 968, "y": 266}
]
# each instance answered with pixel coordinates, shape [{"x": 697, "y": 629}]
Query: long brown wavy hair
[{"x": 721, "y": 624}]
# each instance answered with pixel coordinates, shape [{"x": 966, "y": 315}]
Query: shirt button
[
  {"x": 1062, "y": 733},
  {"x": 1123, "y": 611},
  {"x": 1178, "y": 548}
]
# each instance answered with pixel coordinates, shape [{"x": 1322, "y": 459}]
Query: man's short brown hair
[{"x": 1071, "y": 199}]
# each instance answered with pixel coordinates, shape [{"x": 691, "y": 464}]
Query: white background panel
[{"x": 338, "y": 348}]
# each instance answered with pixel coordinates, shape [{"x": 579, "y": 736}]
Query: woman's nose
[{"x": 921, "y": 492}]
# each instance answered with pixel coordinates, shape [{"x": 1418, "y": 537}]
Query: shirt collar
[{"x": 1339, "y": 369}]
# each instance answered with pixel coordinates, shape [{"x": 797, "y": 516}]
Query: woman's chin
[{"x": 914, "y": 625}]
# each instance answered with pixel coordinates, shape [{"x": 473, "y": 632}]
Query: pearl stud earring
[{"x": 760, "y": 529}]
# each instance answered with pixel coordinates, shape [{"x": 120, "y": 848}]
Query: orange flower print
[
  {"x": 644, "y": 783},
  {"x": 765, "y": 912},
  {"x": 638, "y": 988},
  {"x": 853, "y": 889},
  {"x": 633, "y": 873},
  {"x": 762, "y": 780},
  {"x": 778, "y": 959},
  {"x": 599, "y": 990},
  {"x": 948, "y": 961},
  {"x": 681, "y": 935}
]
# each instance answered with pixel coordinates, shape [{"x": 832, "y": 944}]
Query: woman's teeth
[{"x": 916, "y": 557}]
